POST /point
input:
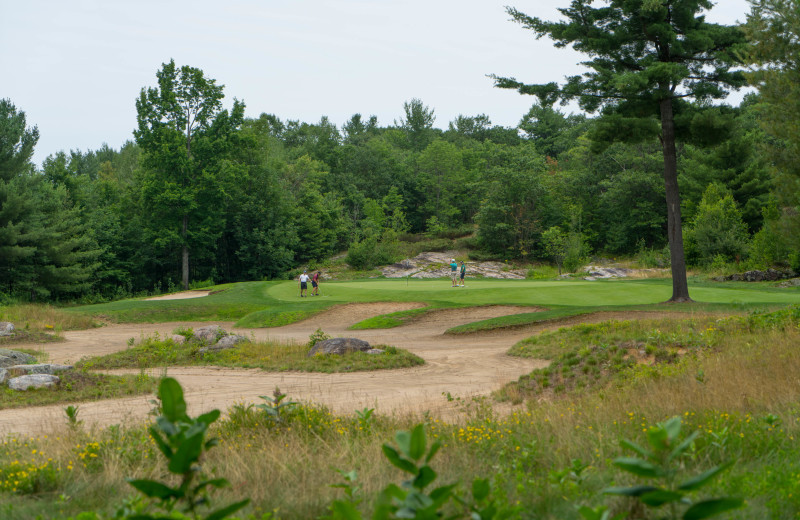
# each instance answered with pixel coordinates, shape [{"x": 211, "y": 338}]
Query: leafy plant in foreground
[
  {"x": 659, "y": 463},
  {"x": 182, "y": 441},
  {"x": 275, "y": 409}
]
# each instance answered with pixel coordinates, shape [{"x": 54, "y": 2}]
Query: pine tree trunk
[
  {"x": 680, "y": 286},
  {"x": 185, "y": 255}
]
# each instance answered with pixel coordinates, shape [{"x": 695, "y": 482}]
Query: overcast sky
[{"x": 76, "y": 67}]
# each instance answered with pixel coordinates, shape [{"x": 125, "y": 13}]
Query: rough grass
[
  {"x": 42, "y": 318},
  {"x": 77, "y": 386},
  {"x": 744, "y": 407},
  {"x": 271, "y": 356}
]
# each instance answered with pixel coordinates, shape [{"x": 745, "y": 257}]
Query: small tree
[{"x": 718, "y": 229}]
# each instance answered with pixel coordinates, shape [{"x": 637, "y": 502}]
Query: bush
[{"x": 371, "y": 251}]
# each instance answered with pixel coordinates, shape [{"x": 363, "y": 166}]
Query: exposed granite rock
[
  {"x": 32, "y": 381},
  {"x": 339, "y": 346}
]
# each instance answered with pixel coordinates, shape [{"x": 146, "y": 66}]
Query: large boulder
[
  {"x": 12, "y": 357},
  {"x": 339, "y": 346},
  {"x": 32, "y": 381},
  {"x": 209, "y": 334},
  {"x": 3, "y": 375},
  {"x": 225, "y": 343},
  {"x": 178, "y": 339},
  {"x": 6, "y": 328},
  {"x": 40, "y": 368}
]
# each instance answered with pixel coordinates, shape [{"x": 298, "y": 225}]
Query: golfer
[
  {"x": 463, "y": 272},
  {"x": 454, "y": 271},
  {"x": 303, "y": 284},
  {"x": 315, "y": 284}
]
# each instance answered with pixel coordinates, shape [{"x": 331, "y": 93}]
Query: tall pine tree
[{"x": 649, "y": 59}]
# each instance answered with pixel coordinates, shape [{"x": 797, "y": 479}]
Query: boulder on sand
[
  {"x": 225, "y": 343},
  {"x": 6, "y": 328},
  {"x": 12, "y": 357},
  {"x": 32, "y": 381},
  {"x": 209, "y": 333},
  {"x": 339, "y": 346},
  {"x": 40, "y": 368}
]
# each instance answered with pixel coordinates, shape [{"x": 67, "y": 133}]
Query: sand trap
[
  {"x": 466, "y": 365},
  {"x": 185, "y": 295}
]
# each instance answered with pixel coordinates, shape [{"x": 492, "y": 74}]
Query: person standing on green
[
  {"x": 453, "y": 271},
  {"x": 463, "y": 272}
]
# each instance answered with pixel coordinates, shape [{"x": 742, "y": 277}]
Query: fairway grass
[{"x": 271, "y": 304}]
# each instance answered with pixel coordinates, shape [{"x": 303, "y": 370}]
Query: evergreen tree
[{"x": 649, "y": 57}]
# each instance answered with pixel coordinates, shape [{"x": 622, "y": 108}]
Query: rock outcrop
[
  {"x": 225, "y": 343},
  {"x": 12, "y": 357},
  {"x": 40, "y": 368},
  {"x": 32, "y": 381},
  {"x": 6, "y": 328},
  {"x": 340, "y": 346},
  {"x": 437, "y": 265}
]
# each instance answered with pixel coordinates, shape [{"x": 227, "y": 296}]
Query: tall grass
[
  {"x": 741, "y": 393},
  {"x": 44, "y": 317}
]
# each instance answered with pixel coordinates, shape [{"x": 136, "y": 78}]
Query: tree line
[{"x": 203, "y": 192}]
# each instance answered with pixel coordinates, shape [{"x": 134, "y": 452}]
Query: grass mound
[
  {"x": 77, "y": 386},
  {"x": 155, "y": 351}
]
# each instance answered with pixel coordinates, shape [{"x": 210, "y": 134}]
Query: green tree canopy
[{"x": 649, "y": 58}]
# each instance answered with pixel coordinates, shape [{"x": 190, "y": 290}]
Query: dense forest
[{"x": 204, "y": 193}]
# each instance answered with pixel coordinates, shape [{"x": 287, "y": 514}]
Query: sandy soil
[
  {"x": 467, "y": 365},
  {"x": 185, "y": 295}
]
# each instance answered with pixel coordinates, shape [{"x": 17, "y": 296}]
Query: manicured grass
[
  {"x": 77, "y": 386},
  {"x": 276, "y": 357},
  {"x": 268, "y": 304}
]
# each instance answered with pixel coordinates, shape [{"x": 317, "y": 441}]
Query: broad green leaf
[
  {"x": 702, "y": 479},
  {"x": 425, "y": 476},
  {"x": 638, "y": 467},
  {"x": 397, "y": 461},
  {"x": 708, "y": 508},
  {"x": 682, "y": 447},
  {"x": 673, "y": 428},
  {"x": 660, "y": 497},
  {"x": 634, "y": 491},
  {"x": 417, "y": 445},
  {"x": 210, "y": 417},
  {"x": 638, "y": 449},
  {"x": 172, "y": 402},
  {"x": 587, "y": 513},
  {"x": 658, "y": 438},
  {"x": 480, "y": 489},
  {"x": 225, "y": 512},
  {"x": 345, "y": 511},
  {"x": 186, "y": 454},
  {"x": 162, "y": 445},
  {"x": 434, "y": 450},
  {"x": 214, "y": 482},
  {"x": 403, "y": 439},
  {"x": 153, "y": 489}
]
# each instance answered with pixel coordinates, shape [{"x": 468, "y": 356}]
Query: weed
[{"x": 181, "y": 439}]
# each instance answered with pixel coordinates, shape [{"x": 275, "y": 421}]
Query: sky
[{"x": 76, "y": 67}]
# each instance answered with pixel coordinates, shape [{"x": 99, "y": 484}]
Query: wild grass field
[{"x": 547, "y": 445}]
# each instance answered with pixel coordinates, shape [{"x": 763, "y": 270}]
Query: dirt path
[{"x": 467, "y": 365}]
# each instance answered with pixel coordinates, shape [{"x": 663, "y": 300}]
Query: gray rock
[
  {"x": 339, "y": 346},
  {"x": 374, "y": 351},
  {"x": 12, "y": 357},
  {"x": 6, "y": 328},
  {"x": 32, "y": 381},
  {"x": 794, "y": 282},
  {"x": 209, "y": 334},
  {"x": 178, "y": 339},
  {"x": 41, "y": 368},
  {"x": 3, "y": 375},
  {"x": 225, "y": 343}
]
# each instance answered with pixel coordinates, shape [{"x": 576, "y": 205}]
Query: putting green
[{"x": 531, "y": 292}]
